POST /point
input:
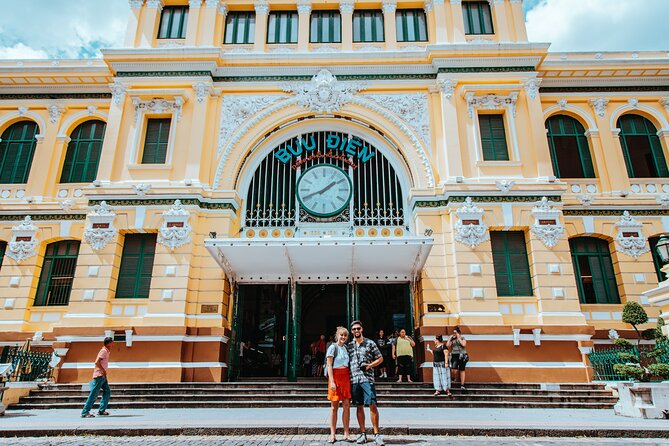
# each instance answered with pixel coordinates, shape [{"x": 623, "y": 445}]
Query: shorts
[
  {"x": 459, "y": 361},
  {"x": 342, "y": 381},
  {"x": 363, "y": 394}
]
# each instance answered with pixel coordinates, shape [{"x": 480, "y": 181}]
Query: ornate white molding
[
  {"x": 470, "y": 229},
  {"x": 663, "y": 200},
  {"x": 346, "y": 6},
  {"x": 504, "y": 185},
  {"x": 599, "y": 106},
  {"x": 532, "y": 87},
  {"x": 304, "y": 6},
  {"x": 118, "y": 92},
  {"x": 261, "y": 7},
  {"x": 324, "y": 93},
  {"x": 155, "y": 4},
  {"x": 212, "y": 3},
  {"x": 562, "y": 104},
  {"x": 175, "y": 230},
  {"x": 66, "y": 204},
  {"x": 100, "y": 230},
  {"x": 630, "y": 238},
  {"x": 586, "y": 200},
  {"x": 490, "y": 102},
  {"x": 23, "y": 244},
  {"x": 665, "y": 103},
  {"x": 428, "y": 6},
  {"x": 411, "y": 108},
  {"x": 389, "y": 6},
  {"x": 23, "y": 110},
  {"x": 194, "y": 3},
  {"x": 447, "y": 87},
  {"x": 222, "y": 10},
  {"x": 91, "y": 109},
  {"x": 159, "y": 106},
  {"x": 55, "y": 112},
  {"x": 547, "y": 226},
  {"x": 202, "y": 90},
  {"x": 135, "y": 4},
  {"x": 633, "y": 103},
  {"x": 141, "y": 189}
]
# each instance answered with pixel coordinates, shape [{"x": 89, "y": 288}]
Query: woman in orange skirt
[{"x": 339, "y": 383}]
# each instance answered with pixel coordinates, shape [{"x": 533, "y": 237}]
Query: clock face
[{"x": 324, "y": 190}]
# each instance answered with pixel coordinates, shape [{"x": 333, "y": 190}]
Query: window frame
[
  {"x": 137, "y": 275},
  {"x": 582, "y": 145},
  {"x": 402, "y": 15},
  {"x": 655, "y": 146},
  {"x": 73, "y": 150},
  {"x": 167, "y": 143},
  {"x": 293, "y": 19},
  {"x": 3, "y": 251},
  {"x": 468, "y": 18},
  {"x": 514, "y": 279},
  {"x": 249, "y": 32},
  {"x": 319, "y": 17},
  {"x": 171, "y": 10},
  {"x": 491, "y": 138},
  {"x": 375, "y": 14},
  {"x": 612, "y": 296},
  {"x": 14, "y": 162},
  {"x": 50, "y": 263}
]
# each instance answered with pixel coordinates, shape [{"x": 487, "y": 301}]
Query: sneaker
[
  {"x": 378, "y": 440},
  {"x": 362, "y": 438},
  {"x": 463, "y": 388},
  {"x": 103, "y": 413}
]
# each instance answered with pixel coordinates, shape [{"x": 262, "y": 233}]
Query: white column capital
[
  {"x": 304, "y": 6},
  {"x": 261, "y": 7},
  {"x": 155, "y": 4},
  {"x": 389, "y": 6},
  {"x": 456, "y": 2},
  {"x": 346, "y": 6},
  {"x": 135, "y": 4},
  {"x": 428, "y": 5},
  {"x": 599, "y": 106},
  {"x": 665, "y": 103},
  {"x": 194, "y": 3}
]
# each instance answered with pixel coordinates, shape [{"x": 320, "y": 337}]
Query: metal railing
[
  {"x": 27, "y": 365},
  {"x": 604, "y": 359}
]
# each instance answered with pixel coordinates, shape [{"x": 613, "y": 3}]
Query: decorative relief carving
[
  {"x": 66, "y": 204},
  {"x": 470, "y": 229},
  {"x": 599, "y": 106},
  {"x": 346, "y": 6},
  {"x": 175, "y": 230},
  {"x": 194, "y": 3},
  {"x": 155, "y": 4},
  {"x": 491, "y": 102},
  {"x": 665, "y": 103},
  {"x": 663, "y": 200},
  {"x": 262, "y": 7},
  {"x": 159, "y": 106},
  {"x": 630, "y": 238},
  {"x": 304, "y": 6},
  {"x": 324, "y": 94},
  {"x": 562, "y": 103},
  {"x": 100, "y": 230},
  {"x": 547, "y": 226},
  {"x": 141, "y": 189},
  {"x": 23, "y": 244},
  {"x": 91, "y": 109},
  {"x": 412, "y": 108},
  {"x": 428, "y": 6},
  {"x": 586, "y": 200},
  {"x": 633, "y": 103},
  {"x": 22, "y": 110},
  {"x": 135, "y": 4},
  {"x": 55, "y": 112},
  {"x": 447, "y": 87},
  {"x": 532, "y": 87},
  {"x": 504, "y": 185},
  {"x": 202, "y": 90},
  {"x": 389, "y": 6},
  {"x": 118, "y": 92},
  {"x": 236, "y": 109}
]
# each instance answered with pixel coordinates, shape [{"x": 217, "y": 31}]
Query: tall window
[
  {"x": 3, "y": 248},
  {"x": 641, "y": 148},
  {"x": 493, "y": 138},
  {"x": 512, "y": 269},
  {"x": 595, "y": 278},
  {"x": 83, "y": 153},
  {"x": 570, "y": 152},
  {"x": 173, "y": 22},
  {"x": 156, "y": 141},
  {"x": 411, "y": 25},
  {"x": 134, "y": 277},
  {"x": 55, "y": 280},
  {"x": 657, "y": 261},
  {"x": 240, "y": 27},
  {"x": 282, "y": 27},
  {"x": 478, "y": 18},
  {"x": 368, "y": 26},
  {"x": 17, "y": 149},
  {"x": 325, "y": 27}
]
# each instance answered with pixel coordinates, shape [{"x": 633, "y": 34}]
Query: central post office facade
[{"x": 262, "y": 172}]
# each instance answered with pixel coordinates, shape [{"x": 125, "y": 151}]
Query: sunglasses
[{"x": 356, "y": 328}]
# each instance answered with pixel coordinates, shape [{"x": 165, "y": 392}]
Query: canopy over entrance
[{"x": 335, "y": 259}]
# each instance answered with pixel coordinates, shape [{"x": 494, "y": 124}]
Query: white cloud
[
  {"x": 600, "y": 25},
  {"x": 21, "y": 51}
]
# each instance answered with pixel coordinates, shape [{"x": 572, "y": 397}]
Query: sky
[{"x": 65, "y": 29}]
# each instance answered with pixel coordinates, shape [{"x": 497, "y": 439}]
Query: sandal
[
  {"x": 332, "y": 439},
  {"x": 449, "y": 394},
  {"x": 348, "y": 439},
  {"x": 437, "y": 393},
  {"x": 87, "y": 415},
  {"x": 104, "y": 412}
]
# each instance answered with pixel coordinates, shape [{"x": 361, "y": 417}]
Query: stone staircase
[{"x": 266, "y": 394}]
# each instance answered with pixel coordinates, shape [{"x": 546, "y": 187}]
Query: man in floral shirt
[{"x": 364, "y": 356}]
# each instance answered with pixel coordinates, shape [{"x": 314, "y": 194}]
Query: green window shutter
[
  {"x": 642, "y": 150},
  {"x": 567, "y": 143},
  {"x": 156, "y": 141},
  {"x": 17, "y": 150},
  {"x": 282, "y": 27},
  {"x": 134, "y": 277},
  {"x": 512, "y": 269},
  {"x": 173, "y": 21},
  {"x": 493, "y": 138},
  {"x": 3, "y": 249},
  {"x": 83, "y": 153},
  {"x": 595, "y": 276},
  {"x": 411, "y": 25},
  {"x": 55, "y": 282},
  {"x": 368, "y": 26},
  {"x": 477, "y": 17},
  {"x": 240, "y": 28},
  {"x": 657, "y": 261},
  {"x": 325, "y": 27}
]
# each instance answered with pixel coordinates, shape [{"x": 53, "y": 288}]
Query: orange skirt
[{"x": 342, "y": 381}]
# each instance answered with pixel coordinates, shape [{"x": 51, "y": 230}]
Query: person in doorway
[
  {"x": 459, "y": 357},
  {"x": 364, "y": 356},
  {"x": 321, "y": 344},
  {"x": 384, "y": 347},
  {"x": 403, "y": 353},
  {"x": 339, "y": 384},
  {"x": 306, "y": 365},
  {"x": 99, "y": 382},
  {"x": 441, "y": 374},
  {"x": 244, "y": 347}
]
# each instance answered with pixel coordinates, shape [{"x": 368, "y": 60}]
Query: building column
[
  {"x": 451, "y": 153},
  {"x": 500, "y": 19},
  {"x": 112, "y": 133},
  {"x": 304, "y": 14},
  {"x": 197, "y": 142},
  {"x": 439, "y": 19},
  {"x": 597, "y": 150},
  {"x": 260, "y": 38},
  {"x": 390, "y": 30},
  {"x": 518, "y": 21},
  {"x": 346, "y": 10},
  {"x": 209, "y": 32},
  {"x": 457, "y": 22},
  {"x": 136, "y": 8},
  {"x": 194, "y": 8},
  {"x": 46, "y": 163},
  {"x": 150, "y": 22},
  {"x": 538, "y": 129},
  {"x": 612, "y": 161}
]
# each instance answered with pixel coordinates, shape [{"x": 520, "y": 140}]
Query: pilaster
[
  {"x": 192, "y": 27},
  {"x": 346, "y": 8},
  {"x": 501, "y": 22},
  {"x": 304, "y": 14},
  {"x": 538, "y": 129},
  {"x": 451, "y": 166},
  {"x": 197, "y": 141},
  {"x": 389, "y": 8},
  {"x": 132, "y": 29},
  {"x": 457, "y": 22},
  {"x": 518, "y": 19},
  {"x": 112, "y": 133},
  {"x": 612, "y": 161},
  {"x": 439, "y": 19},
  {"x": 47, "y": 160},
  {"x": 260, "y": 38},
  {"x": 213, "y": 22},
  {"x": 150, "y": 22}
]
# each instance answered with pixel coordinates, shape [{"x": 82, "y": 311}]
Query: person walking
[
  {"x": 441, "y": 374},
  {"x": 339, "y": 384},
  {"x": 99, "y": 382},
  {"x": 384, "y": 347},
  {"x": 403, "y": 352},
  {"x": 459, "y": 357},
  {"x": 320, "y": 354},
  {"x": 364, "y": 356}
]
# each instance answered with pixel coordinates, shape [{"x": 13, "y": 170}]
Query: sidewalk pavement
[{"x": 298, "y": 421}]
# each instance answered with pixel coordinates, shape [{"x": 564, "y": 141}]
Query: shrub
[
  {"x": 634, "y": 314},
  {"x": 659, "y": 370},
  {"x": 628, "y": 357},
  {"x": 622, "y": 342},
  {"x": 628, "y": 371}
]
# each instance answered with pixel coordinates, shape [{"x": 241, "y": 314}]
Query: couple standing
[{"x": 350, "y": 371}]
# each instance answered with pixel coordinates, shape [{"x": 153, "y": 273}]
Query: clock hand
[{"x": 325, "y": 189}]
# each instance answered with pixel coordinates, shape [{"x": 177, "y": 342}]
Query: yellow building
[{"x": 412, "y": 164}]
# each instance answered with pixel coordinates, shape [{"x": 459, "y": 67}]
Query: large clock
[{"x": 324, "y": 190}]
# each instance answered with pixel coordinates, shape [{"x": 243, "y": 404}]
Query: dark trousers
[
  {"x": 404, "y": 365},
  {"x": 98, "y": 384}
]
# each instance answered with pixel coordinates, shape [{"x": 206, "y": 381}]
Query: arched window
[
  {"x": 641, "y": 148},
  {"x": 55, "y": 281},
  {"x": 83, "y": 153},
  {"x": 17, "y": 149},
  {"x": 595, "y": 278},
  {"x": 570, "y": 152}
]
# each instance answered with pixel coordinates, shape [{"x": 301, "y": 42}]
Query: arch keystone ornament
[
  {"x": 547, "y": 226},
  {"x": 324, "y": 93},
  {"x": 23, "y": 244},
  {"x": 175, "y": 230},
  {"x": 470, "y": 229},
  {"x": 100, "y": 229},
  {"x": 631, "y": 240}
]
